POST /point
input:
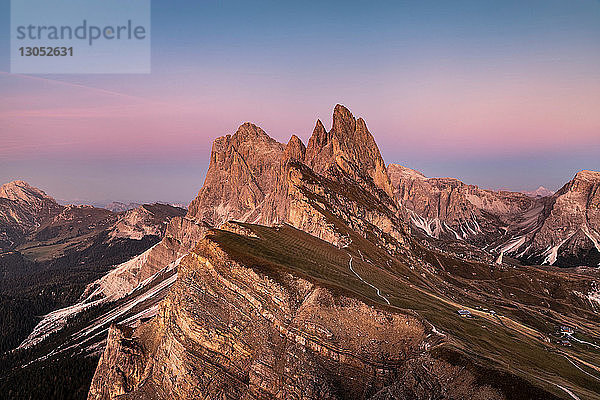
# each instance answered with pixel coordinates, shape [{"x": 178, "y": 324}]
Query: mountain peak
[
  {"x": 398, "y": 172},
  {"x": 248, "y": 132},
  {"x": 539, "y": 192},
  {"x": 343, "y": 120},
  {"x": 350, "y": 146},
  {"x": 22, "y": 191},
  {"x": 319, "y": 133},
  {"x": 582, "y": 182},
  {"x": 295, "y": 149}
]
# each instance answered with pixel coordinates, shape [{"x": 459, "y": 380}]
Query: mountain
[
  {"x": 448, "y": 208},
  {"x": 22, "y": 209},
  {"x": 567, "y": 230},
  {"x": 561, "y": 229},
  {"x": 49, "y": 254},
  {"x": 117, "y": 206},
  {"x": 298, "y": 273},
  {"x": 539, "y": 192},
  {"x": 250, "y": 178}
]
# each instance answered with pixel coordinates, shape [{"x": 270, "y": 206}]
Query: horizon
[
  {"x": 502, "y": 96},
  {"x": 185, "y": 202}
]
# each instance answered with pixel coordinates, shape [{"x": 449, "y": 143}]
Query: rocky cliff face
[
  {"x": 447, "y": 207},
  {"x": 23, "y": 209},
  {"x": 230, "y": 331},
  {"x": 241, "y": 177},
  {"x": 561, "y": 229},
  {"x": 249, "y": 173},
  {"x": 568, "y": 231},
  {"x": 318, "y": 291}
]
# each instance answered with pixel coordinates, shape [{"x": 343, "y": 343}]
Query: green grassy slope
[{"x": 501, "y": 343}]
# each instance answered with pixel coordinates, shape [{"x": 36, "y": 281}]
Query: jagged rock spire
[
  {"x": 350, "y": 145},
  {"x": 295, "y": 149}
]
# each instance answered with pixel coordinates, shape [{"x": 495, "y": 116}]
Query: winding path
[
  {"x": 571, "y": 336},
  {"x": 362, "y": 280}
]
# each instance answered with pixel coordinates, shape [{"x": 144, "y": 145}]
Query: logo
[{"x": 80, "y": 36}]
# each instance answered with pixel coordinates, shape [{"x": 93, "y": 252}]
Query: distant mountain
[
  {"x": 117, "y": 206},
  {"x": 49, "y": 253},
  {"x": 539, "y": 192},
  {"x": 23, "y": 209},
  {"x": 446, "y": 208},
  {"x": 561, "y": 229}
]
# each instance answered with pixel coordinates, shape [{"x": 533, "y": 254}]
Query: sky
[{"x": 501, "y": 94}]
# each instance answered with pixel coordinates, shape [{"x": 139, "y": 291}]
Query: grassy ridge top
[{"x": 502, "y": 343}]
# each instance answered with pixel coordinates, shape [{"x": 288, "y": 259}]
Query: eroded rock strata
[
  {"x": 230, "y": 331},
  {"x": 320, "y": 291}
]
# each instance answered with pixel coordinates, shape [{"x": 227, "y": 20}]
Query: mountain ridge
[
  {"x": 273, "y": 253},
  {"x": 273, "y": 228}
]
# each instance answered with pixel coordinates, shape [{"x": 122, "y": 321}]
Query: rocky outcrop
[
  {"x": 295, "y": 149},
  {"x": 145, "y": 220},
  {"x": 449, "y": 208},
  {"x": 229, "y": 331},
  {"x": 127, "y": 359},
  {"x": 568, "y": 232}
]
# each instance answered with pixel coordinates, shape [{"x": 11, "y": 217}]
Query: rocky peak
[
  {"x": 319, "y": 137},
  {"x": 539, "y": 192},
  {"x": 250, "y": 132},
  {"x": 243, "y": 170},
  {"x": 584, "y": 183},
  {"x": 350, "y": 145},
  {"x": 399, "y": 172},
  {"x": 21, "y": 191},
  {"x": 344, "y": 122},
  {"x": 295, "y": 149}
]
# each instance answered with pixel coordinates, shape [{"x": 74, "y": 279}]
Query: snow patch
[
  {"x": 106, "y": 289},
  {"x": 513, "y": 245},
  {"x": 552, "y": 253}
]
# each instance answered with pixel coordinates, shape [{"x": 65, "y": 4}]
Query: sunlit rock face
[
  {"x": 559, "y": 229},
  {"x": 298, "y": 278},
  {"x": 229, "y": 331}
]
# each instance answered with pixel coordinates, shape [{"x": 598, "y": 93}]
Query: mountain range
[
  {"x": 318, "y": 272},
  {"x": 561, "y": 229},
  {"x": 49, "y": 253}
]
